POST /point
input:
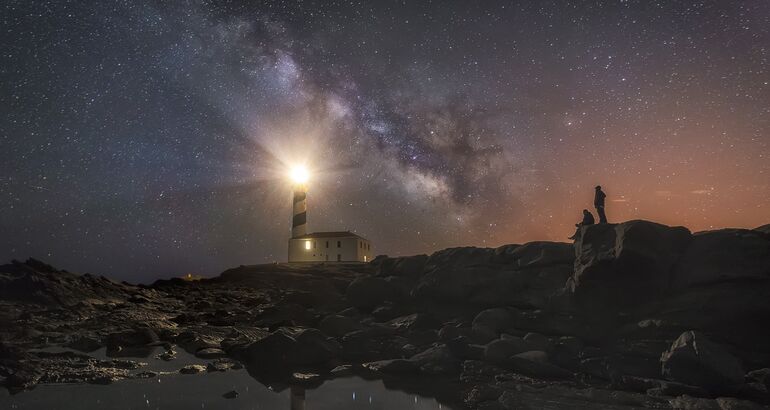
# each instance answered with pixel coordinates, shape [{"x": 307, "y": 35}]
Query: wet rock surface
[{"x": 633, "y": 315}]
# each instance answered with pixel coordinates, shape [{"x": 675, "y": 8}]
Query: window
[
  {"x": 314, "y": 244},
  {"x": 339, "y": 244},
  {"x": 327, "y": 244},
  {"x": 307, "y": 245}
]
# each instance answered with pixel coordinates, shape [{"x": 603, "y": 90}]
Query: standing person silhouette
[{"x": 599, "y": 204}]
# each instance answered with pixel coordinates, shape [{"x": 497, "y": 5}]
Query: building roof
[{"x": 340, "y": 234}]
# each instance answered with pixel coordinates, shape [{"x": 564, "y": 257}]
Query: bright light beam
[{"x": 299, "y": 174}]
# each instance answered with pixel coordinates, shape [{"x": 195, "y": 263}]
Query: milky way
[{"x": 148, "y": 139}]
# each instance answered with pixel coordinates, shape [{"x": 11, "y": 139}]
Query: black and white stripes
[{"x": 299, "y": 216}]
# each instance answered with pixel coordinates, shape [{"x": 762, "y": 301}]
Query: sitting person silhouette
[{"x": 588, "y": 219}]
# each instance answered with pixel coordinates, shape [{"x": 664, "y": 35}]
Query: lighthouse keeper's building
[{"x": 330, "y": 247}]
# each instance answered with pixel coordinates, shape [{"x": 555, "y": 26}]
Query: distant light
[
  {"x": 307, "y": 245},
  {"x": 299, "y": 174}
]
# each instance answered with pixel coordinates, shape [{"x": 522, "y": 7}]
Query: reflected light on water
[{"x": 206, "y": 390}]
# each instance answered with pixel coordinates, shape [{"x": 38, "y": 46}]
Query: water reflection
[
  {"x": 297, "y": 398},
  {"x": 206, "y": 390}
]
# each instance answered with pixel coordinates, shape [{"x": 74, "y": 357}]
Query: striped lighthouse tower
[{"x": 299, "y": 216}]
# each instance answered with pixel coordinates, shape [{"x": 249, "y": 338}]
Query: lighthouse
[
  {"x": 299, "y": 216},
  {"x": 338, "y": 246}
]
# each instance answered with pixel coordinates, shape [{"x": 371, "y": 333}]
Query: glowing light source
[
  {"x": 299, "y": 174},
  {"x": 307, "y": 245}
]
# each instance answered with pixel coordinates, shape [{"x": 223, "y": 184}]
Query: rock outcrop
[
  {"x": 624, "y": 265},
  {"x": 631, "y": 315},
  {"x": 695, "y": 360},
  {"x": 723, "y": 256},
  {"x": 523, "y": 276}
]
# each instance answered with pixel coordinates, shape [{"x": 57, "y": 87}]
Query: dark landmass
[{"x": 632, "y": 315}]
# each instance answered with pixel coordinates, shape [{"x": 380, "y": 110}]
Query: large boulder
[
  {"x": 459, "y": 257},
  {"x": 392, "y": 367},
  {"x": 724, "y": 255},
  {"x": 373, "y": 343},
  {"x": 437, "y": 359},
  {"x": 764, "y": 229},
  {"x": 36, "y": 282},
  {"x": 192, "y": 341},
  {"x": 737, "y": 311},
  {"x": 490, "y": 323},
  {"x": 695, "y": 360},
  {"x": 271, "y": 349},
  {"x": 535, "y": 363},
  {"x": 338, "y": 326},
  {"x": 455, "y": 283},
  {"x": 501, "y": 350},
  {"x": 538, "y": 341},
  {"x": 535, "y": 254},
  {"x": 434, "y": 360},
  {"x": 416, "y": 321},
  {"x": 286, "y": 347},
  {"x": 408, "y": 266},
  {"x": 369, "y": 292},
  {"x": 491, "y": 285},
  {"x": 313, "y": 347},
  {"x": 625, "y": 264},
  {"x": 131, "y": 343},
  {"x": 525, "y": 276},
  {"x": 761, "y": 376},
  {"x": 531, "y": 287}
]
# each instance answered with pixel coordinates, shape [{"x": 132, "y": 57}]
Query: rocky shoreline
[{"x": 632, "y": 315}]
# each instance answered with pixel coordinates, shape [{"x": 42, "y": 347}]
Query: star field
[{"x": 144, "y": 139}]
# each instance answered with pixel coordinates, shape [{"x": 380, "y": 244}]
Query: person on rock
[
  {"x": 599, "y": 204},
  {"x": 588, "y": 219}
]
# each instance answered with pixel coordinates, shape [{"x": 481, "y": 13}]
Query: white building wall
[{"x": 332, "y": 249}]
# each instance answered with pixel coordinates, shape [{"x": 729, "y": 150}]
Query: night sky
[{"x": 145, "y": 139}]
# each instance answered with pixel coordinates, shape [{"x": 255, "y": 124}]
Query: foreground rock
[
  {"x": 697, "y": 361},
  {"x": 723, "y": 256},
  {"x": 632, "y": 315},
  {"x": 625, "y": 264}
]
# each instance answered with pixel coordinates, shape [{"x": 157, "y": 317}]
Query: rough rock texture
[
  {"x": 409, "y": 266},
  {"x": 338, "y": 325},
  {"x": 695, "y": 360},
  {"x": 524, "y": 276},
  {"x": 625, "y": 264},
  {"x": 490, "y": 323},
  {"x": 722, "y": 256},
  {"x": 606, "y": 322},
  {"x": 370, "y": 292}
]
